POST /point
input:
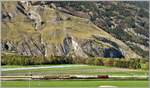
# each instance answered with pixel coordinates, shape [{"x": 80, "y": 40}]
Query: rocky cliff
[{"x": 47, "y": 29}]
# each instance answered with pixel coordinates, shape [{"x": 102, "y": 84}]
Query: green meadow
[
  {"x": 74, "y": 84},
  {"x": 73, "y": 70}
]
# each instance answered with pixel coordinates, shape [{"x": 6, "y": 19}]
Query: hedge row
[
  {"x": 33, "y": 60},
  {"x": 132, "y": 63}
]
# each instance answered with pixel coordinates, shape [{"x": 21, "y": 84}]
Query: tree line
[{"x": 132, "y": 63}]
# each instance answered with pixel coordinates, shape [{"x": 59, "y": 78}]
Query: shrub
[
  {"x": 108, "y": 62},
  {"x": 98, "y": 61},
  {"x": 90, "y": 61},
  {"x": 145, "y": 66}
]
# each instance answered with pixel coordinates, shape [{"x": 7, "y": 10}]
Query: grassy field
[
  {"x": 75, "y": 84},
  {"x": 74, "y": 69}
]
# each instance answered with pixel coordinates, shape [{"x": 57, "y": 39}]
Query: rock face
[
  {"x": 68, "y": 36},
  {"x": 72, "y": 47},
  {"x": 113, "y": 53}
]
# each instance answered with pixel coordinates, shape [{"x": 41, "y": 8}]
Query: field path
[{"x": 39, "y": 67}]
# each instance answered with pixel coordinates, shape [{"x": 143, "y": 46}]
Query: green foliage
[
  {"x": 34, "y": 60},
  {"x": 14, "y": 60},
  {"x": 145, "y": 66},
  {"x": 90, "y": 61},
  {"x": 98, "y": 61},
  {"x": 132, "y": 63},
  {"x": 108, "y": 62}
]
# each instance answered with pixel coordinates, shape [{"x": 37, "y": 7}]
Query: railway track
[{"x": 65, "y": 77}]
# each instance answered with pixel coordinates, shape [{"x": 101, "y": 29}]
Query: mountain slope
[
  {"x": 42, "y": 29},
  {"x": 126, "y": 21}
]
